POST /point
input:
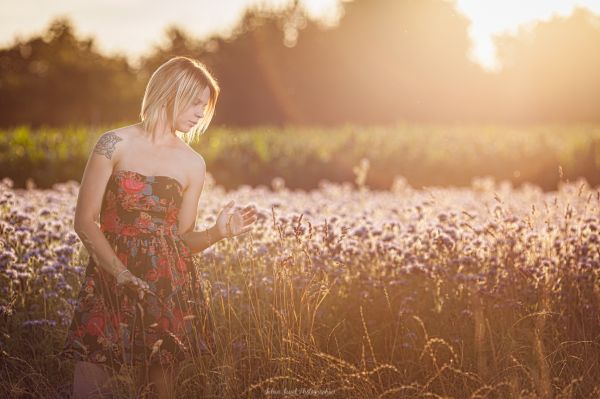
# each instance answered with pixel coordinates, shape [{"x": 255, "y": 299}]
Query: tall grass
[{"x": 487, "y": 291}]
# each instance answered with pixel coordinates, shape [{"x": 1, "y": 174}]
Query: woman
[{"x": 140, "y": 303}]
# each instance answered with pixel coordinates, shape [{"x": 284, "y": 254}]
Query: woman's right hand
[{"x": 127, "y": 279}]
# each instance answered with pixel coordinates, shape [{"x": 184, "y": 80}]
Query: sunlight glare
[{"x": 507, "y": 15}]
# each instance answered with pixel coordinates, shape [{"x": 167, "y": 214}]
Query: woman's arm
[
  {"x": 89, "y": 201},
  {"x": 98, "y": 247},
  {"x": 229, "y": 222},
  {"x": 198, "y": 241}
]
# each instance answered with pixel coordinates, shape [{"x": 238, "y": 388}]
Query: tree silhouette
[
  {"x": 552, "y": 70},
  {"x": 386, "y": 60},
  {"x": 58, "y": 79}
]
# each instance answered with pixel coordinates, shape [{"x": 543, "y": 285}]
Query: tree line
[{"x": 385, "y": 61}]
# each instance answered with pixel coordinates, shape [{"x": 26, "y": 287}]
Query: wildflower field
[{"x": 487, "y": 291}]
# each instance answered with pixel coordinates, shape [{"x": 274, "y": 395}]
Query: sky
[{"x": 134, "y": 26}]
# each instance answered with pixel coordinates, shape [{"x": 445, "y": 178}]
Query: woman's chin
[{"x": 184, "y": 129}]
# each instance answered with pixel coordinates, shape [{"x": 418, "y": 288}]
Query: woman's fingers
[
  {"x": 143, "y": 284},
  {"x": 140, "y": 283},
  {"x": 248, "y": 210},
  {"x": 247, "y": 215}
]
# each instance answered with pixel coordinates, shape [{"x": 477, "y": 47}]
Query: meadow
[{"x": 486, "y": 291}]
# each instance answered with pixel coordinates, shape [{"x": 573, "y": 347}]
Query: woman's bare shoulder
[
  {"x": 120, "y": 133},
  {"x": 192, "y": 161},
  {"x": 126, "y": 132},
  {"x": 112, "y": 141},
  {"x": 192, "y": 156}
]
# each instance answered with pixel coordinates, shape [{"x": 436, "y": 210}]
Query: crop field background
[
  {"x": 487, "y": 290},
  {"x": 423, "y": 154}
]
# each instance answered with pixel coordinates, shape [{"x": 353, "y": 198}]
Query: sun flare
[{"x": 508, "y": 15}]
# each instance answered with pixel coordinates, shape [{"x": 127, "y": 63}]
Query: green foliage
[{"x": 423, "y": 154}]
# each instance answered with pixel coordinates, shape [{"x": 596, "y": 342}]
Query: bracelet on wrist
[{"x": 121, "y": 272}]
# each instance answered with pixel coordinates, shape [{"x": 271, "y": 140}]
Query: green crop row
[{"x": 425, "y": 155}]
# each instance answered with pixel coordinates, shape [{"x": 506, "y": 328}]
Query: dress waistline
[{"x": 136, "y": 231}]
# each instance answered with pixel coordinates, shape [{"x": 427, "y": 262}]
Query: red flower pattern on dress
[
  {"x": 152, "y": 275},
  {"x": 145, "y": 220},
  {"x": 132, "y": 185},
  {"x": 130, "y": 231},
  {"x": 111, "y": 220},
  {"x": 139, "y": 219},
  {"x": 95, "y": 324},
  {"x": 181, "y": 265},
  {"x": 172, "y": 216},
  {"x": 123, "y": 258},
  {"x": 163, "y": 268}
]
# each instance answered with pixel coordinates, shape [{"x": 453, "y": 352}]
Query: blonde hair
[{"x": 175, "y": 84}]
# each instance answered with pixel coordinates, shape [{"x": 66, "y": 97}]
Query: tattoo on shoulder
[{"x": 106, "y": 144}]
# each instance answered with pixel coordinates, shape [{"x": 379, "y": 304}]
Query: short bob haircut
[{"x": 175, "y": 84}]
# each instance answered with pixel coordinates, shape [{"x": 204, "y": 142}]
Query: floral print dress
[{"x": 111, "y": 325}]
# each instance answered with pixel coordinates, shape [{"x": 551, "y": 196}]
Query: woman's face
[{"x": 192, "y": 115}]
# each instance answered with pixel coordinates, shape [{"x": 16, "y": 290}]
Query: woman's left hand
[{"x": 232, "y": 222}]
